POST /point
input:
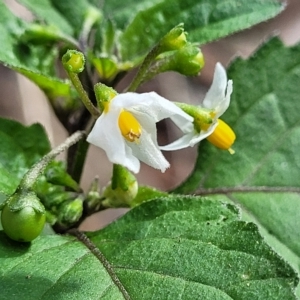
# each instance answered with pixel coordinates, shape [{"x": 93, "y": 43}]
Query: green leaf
[
  {"x": 263, "y": 175},
  {"x": 21, "y": 147},
  {"x": 204, "y": 21},
  {"x": 122, "y": 12},
  {"x": 203, "y": 252},
  {"x": 73, "y": 12},
  {"x": 66, "y": 15},
  {"x": 45, "y": 11},
  {"x": 146, "y": 193},
  {"x": 33, "y": 61}
]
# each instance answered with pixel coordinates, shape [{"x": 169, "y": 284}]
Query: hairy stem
[
  {"x": 103, "y": 260},
  {"x": 83, "y": 95},
  {"x": 32, "y": 175},
  {"x": 138, "y": 79}
]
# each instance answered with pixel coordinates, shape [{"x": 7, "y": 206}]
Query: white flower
[
  {"x": 126, "y": 130},
  {"x": 217, "y": 100}
]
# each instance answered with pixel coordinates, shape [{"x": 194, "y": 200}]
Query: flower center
[
  {"x": 129, "y": 126},
  {"x": 223, "y": 136}
]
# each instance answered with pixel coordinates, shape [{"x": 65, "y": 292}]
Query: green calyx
[
  {"x": 203, "y": 117},
  {"x": 187, "y": 61},
  {"x": 25, "y": 198},
  {"x": 175, "y": 39},
  {"x": 122, "y": 190},
  {"x": 104, "y": 95}
]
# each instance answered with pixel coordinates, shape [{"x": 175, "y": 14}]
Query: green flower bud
[
  {"x": 106, "y": 67},
  {"x": 104, "y": 95},
  {"x": 23, "y": 217},
  {"x": 56, "y": 174},
  {"x": 93, "y": 198},
  {"x": 188, "y": 61},
  {"x": 175, "y": 39},
  {"x": 70, "y": 212},
  {"x": 73, "y": 61},
  {"x": 51, "y": 218},
  {"x": 54, "y": 200},
  {"x": 122, "y": 190}
]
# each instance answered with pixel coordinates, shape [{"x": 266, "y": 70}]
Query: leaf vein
[
  {"x": 271, "y": 150},
  {"x": 64, "y": 273},
  {"x": 100, "y": 256},
  {"x": 28, "y": 257}
]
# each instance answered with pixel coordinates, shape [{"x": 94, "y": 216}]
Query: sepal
[{"x": 122, "y": 189}]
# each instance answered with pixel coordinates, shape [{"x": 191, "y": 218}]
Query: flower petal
[
  {"x": 203, "y": 134},
  {"x": 148, "y": 152},
  {"x": 152, "y": 104},
  {"x": 216, "y": 93},
  {"x": 189, "y": 140},
  {"x": 183, "y": 124},
  {"x": 106, "y": 135},
  {"x": 225, "y": 103},
  {"x": 147, "y": 123},
  {"x": 148, "y": 109},
  {"x": 127, "y": 100},
  {"x": 181, "y": 143},
  {"x": 160, "y": 108}
]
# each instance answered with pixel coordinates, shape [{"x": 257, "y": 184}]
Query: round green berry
[{"x": 23, "y": 225}]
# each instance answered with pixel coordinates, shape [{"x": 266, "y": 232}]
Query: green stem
[
  {"x": 83, "y": 94},
  {"x": 70, "y": 40},
  {"x": 138, "y": 79},
  {"x": 34, "y": 172},
  {"x": 92, "y": 16},
  {"x": 79, "y": 160},
  {"x": 157, "y": 68}
]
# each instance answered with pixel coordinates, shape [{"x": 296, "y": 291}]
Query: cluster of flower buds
[{"x": 125, "y": 128}]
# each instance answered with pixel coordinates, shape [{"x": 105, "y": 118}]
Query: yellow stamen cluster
[
  {"x": 223, "y": 136},
  {"x": 129, "y": 126}
]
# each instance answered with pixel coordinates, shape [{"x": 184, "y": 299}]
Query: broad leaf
[
  {"x": 66, "y": 15},
  {"x": 203, "y": 252},
  {"x": 205, "y": 21},
  {"x": 21, "y": 147},
  {"x": 35, "y": 62},
  {"x": 263, "y": 175},
  {"x": 45, "y": 11}
]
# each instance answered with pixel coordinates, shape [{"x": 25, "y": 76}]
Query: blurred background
[{"x": 22, "y": 100}]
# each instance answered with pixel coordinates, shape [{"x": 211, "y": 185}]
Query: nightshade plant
[{"x": 229, "y": 231}]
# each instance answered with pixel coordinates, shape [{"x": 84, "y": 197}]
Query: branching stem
[{"x": 31, "y": 176}]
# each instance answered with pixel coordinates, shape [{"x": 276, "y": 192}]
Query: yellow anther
[
  {"x": 129, "y": 126},
  {"x": 223, "y": 136}
]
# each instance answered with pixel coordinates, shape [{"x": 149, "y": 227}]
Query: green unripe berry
[
  {"x": 23, "y": 216},
  {"x": 23, "y": 225}
]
